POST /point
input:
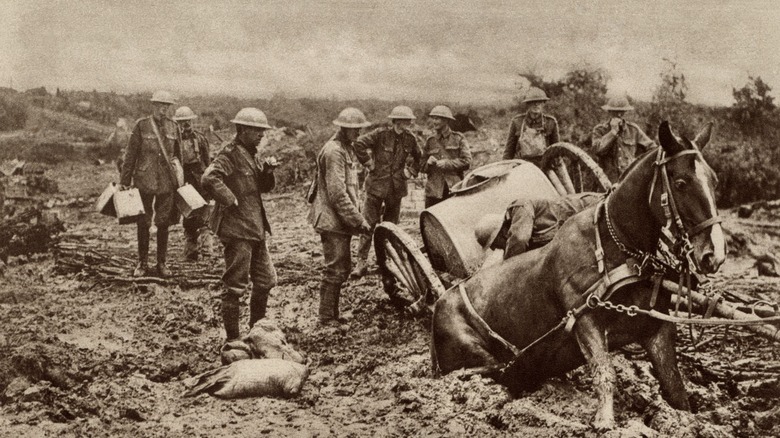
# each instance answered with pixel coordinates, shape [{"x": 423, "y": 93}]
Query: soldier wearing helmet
[
  {"x": 446, "y": 156},
  {"x": 391, "y": 155},
  {"x": 618, "y": 142},
  {"x": 235, "y": 179},
  {"x": 148, "y": 165},
  {"x": 195, "y": 158},
  {"x": 335, "y": 212},
  {"x": 531, "y": 133}
]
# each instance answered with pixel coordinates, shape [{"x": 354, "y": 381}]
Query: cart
[{"x": 414, "y": 277}]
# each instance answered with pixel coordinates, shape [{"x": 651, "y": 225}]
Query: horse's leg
[
  {"x": 660, "y": 351},
  {"x": 593, "y": 344}
]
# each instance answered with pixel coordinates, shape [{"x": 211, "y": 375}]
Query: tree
[
  {"x": 753, "y": 107},
  {"x": 669, "y": 99}
]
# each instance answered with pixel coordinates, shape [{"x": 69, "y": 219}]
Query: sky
[{"x": 454, "y": 51}]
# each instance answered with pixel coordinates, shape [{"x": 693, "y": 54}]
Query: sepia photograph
[{"x": 364, "y": 218}]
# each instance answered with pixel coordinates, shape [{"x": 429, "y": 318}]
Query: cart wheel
[
  {"x": 407, "y": 276},
  {"x": 571, "y": 170}
]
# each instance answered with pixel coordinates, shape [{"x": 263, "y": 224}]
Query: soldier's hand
[
  {"x": 123, "y": 187},
  {"x": 370, "y": 164},
  {"x": 272, "y": 162},
  {"x": 365, "y": 228},
  {"x": 432, "y": 161},
  {"x": 235, "y": 204},
  {"x": 615, "y": 123}
]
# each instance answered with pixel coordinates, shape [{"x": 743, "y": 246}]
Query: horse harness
[{"x": 637, "y": 266}]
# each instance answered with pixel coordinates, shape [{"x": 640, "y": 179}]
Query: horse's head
[{"x": 689, "y": 184}]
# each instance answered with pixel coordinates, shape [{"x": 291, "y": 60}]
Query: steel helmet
[
  {"x": 442, "y": 111},
  {"x": 619, "y": 103},
  {"x": 184, "y": 113},
  {"x": 402, "y": 112},
  {"x": 163, "y": 96},
  {"x": 535, "y": 94},
  {"x": 351, "y": 118},
  {"x": 251, "y": 117},
  {"x": 487, "y": 229}
]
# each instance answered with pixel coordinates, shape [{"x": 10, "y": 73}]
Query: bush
[{"x": 13, "y": 113}]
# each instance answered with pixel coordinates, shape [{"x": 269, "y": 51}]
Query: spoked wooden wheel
[
  {"x": 571, "y": 170},
  {"x": 407, "y": 276}
]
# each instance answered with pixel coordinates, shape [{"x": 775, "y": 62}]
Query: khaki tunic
[
  {"x": 616, "y": 153},
  {"x": 234, "y": 175},
  {"x": 335, "y": 205},
  {"x": 452, "y": 151},
  {"x": 391, "y": 152},
  {"x": 144, "y": 163},
  {"x": 528, "y": 138}
]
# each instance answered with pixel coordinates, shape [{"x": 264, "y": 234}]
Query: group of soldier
[{"x": 161, "y": 149}]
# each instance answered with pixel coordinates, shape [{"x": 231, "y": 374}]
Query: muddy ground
[{"x": 81, "y": 357}]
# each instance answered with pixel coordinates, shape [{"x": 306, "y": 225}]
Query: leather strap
[{"x": 164, "y": 152}]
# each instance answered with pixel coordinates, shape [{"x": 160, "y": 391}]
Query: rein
[{"x": 681, "y": 261}]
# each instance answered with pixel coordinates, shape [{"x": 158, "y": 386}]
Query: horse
[{"x": 666, "y": 195}]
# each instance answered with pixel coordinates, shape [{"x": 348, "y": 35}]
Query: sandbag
[
  {"x": 252, "y": 378},
  {"x": 266, "y": 340}
]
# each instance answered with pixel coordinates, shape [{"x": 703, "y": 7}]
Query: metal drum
[{"x": 448, "y": 227}]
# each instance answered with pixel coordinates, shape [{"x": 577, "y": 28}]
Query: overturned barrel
[{"x": 447, "y": 228}]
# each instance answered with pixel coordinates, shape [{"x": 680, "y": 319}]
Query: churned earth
[{"x": 80, "y": 357}]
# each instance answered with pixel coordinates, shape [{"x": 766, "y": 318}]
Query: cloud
[{"x": 453, "y": 51}]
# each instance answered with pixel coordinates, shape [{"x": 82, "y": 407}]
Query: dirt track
[{"x": 95, "y": 359}]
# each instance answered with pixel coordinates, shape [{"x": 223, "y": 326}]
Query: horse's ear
[
  {"x": 704, "y": 136},
  {"x": 667, "y": 139}
]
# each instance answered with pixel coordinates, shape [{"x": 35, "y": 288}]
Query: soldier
[
  {"x": 334, "y": 211},
  {"x": 530, "y": 223},
  {"x": 446, "y": 156},
  {"x": 530, "y": 134},
  {"x": 195, "y": 158},
  {"x": 618, "y": 142},
  {"x": 235, "y": 179},
  {"x": 148, "y": 166},
  {"x": 391, "y": 155}
]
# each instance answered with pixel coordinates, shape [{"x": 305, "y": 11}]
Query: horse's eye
[{"x": 680, "y": 184}]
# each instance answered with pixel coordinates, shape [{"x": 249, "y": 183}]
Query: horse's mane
[{"x": 636, "y": 162}]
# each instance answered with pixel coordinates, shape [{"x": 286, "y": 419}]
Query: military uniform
[
  {"x": 195, "y": 158},
  {"x": 532, "y": 223},
  {"x": 617, "y": 152},
  {"x": 529, "y": 137},
  {"x": 234, "y": 175},
  {"x": 452, "y": 151},
  {"x": 145, "y": 166},
  {"x": 386, "y": 182},
  {"x": 335, "y": 216}
]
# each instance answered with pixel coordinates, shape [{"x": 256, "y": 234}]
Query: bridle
[{"x": 680, "y": 241}]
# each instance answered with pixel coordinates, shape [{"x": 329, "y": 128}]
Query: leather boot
[
  {"x": 162, "y": 252},
  {"x": 329, "y": 303},
  {"x": 230, "y": 314},
  {"x": 142, "y": 269},
  {"x": 191, "y": 248},
  {"x": 257, "y": 305},
  {"x": 360, "y": 270}
]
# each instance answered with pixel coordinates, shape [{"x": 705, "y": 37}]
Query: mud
[{"x": 86, "y": 358}]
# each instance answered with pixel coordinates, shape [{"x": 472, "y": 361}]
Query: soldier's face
[
  {"x": 351, "y": 134},
  {"x": 185, "y": 125},
  {"x": 535, "y": 107},
  {"x": 161, "y": 109},
  {"x": 251, "y": 135},
  {"x": 401, "y": 124},
  {"x": 438, "y": 123}
]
